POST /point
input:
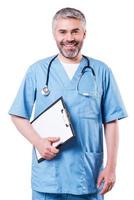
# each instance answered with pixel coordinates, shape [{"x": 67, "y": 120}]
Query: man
[{"x": 91, "y": 95}]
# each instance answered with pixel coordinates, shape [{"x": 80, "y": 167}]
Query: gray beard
[{"x": 69, "y": 54}]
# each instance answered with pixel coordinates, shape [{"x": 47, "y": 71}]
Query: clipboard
[{"x": 54, "y": 121}]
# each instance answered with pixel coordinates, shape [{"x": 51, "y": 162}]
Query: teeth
[{"x": 70, "y": 45}]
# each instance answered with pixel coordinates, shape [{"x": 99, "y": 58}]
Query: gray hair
[{"x": 71, "y": 13}]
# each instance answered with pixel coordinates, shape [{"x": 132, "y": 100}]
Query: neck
[{"x": 77, "y": 59}]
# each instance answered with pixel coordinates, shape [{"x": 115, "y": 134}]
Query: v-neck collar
[{"x": 66, "y": 81}]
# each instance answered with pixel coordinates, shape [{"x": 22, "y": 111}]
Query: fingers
[
  {"x": 100, "y": 181},
  {"x": 106, "y": 180},
  {"x": 110, "y": 186},
  {"x": 107, "y": 187},
  {"x": 48, "y": 154},
  {"x": 50, "y": 151},
  {"x": 53, "y": 150},
  {"x": 53, "y": 139},
  {"x": 46, "y": 148}
]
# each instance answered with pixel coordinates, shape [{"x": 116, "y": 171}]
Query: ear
[{"x": 85, "y": 34}]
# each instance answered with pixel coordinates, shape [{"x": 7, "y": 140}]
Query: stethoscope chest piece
[{"x": 45, "y": 91}]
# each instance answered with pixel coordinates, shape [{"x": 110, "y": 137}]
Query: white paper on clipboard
[{"x": 54, "y": 122}]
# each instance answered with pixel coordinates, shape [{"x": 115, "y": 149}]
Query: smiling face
[{"x": 69, "y": 35}]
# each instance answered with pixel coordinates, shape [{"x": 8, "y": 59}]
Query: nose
[{"x": 69, "y": 37}]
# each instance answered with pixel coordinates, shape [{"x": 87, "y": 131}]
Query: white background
[{"x": 25, "y": 37}]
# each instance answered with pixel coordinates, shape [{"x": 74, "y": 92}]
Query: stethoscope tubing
[
  {"x": 45, "y": 91},
  {"x": 48, "y": 70}
]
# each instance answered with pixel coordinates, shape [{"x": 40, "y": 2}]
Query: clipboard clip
[{"x": 65, "y": 117}]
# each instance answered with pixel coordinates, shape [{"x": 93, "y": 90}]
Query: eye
[
  {"x": 62, "y": 31},
  {"x": 75, "y": 31}
]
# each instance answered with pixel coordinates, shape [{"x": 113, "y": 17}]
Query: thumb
[{"x": 53, "y": 139}]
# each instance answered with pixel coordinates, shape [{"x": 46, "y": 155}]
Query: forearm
[
  {"x": 25, "y": 128},
  {"x": 44, "y": 145},
  {"x": 112, "y": 142}
]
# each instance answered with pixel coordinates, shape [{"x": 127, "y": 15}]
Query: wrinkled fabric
[{"x": 76, "y": 168}]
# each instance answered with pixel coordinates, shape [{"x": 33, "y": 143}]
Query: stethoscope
[{"x": 45, "y": 91}]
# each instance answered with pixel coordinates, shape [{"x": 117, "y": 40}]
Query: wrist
[
  {"x": 111, "y": 166},
  {"x": 36, "y": 140}
]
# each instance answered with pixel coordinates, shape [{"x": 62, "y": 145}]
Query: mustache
[{"x": 74, "y": 42}]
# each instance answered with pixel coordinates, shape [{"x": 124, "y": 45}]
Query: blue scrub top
[{"x": 76, "y": 168}]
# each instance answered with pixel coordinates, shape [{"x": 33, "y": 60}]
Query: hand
[
  {"x": 46, "y": 149},
  {"x": 107, "y": 176}
]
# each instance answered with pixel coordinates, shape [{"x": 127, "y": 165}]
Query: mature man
[{"x": 92, "y": 97}]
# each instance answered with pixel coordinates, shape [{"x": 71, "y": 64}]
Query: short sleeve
[
  {"x": 25, "y": 98},
  {"x": 112, "y": 104}
]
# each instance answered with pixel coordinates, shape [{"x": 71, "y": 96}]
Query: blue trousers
[{"x": 45, "y": 196}]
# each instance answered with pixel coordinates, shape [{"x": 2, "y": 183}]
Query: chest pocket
[
  {"x": 89, "y": 96},
  {"x": 89, "y": 107}
]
